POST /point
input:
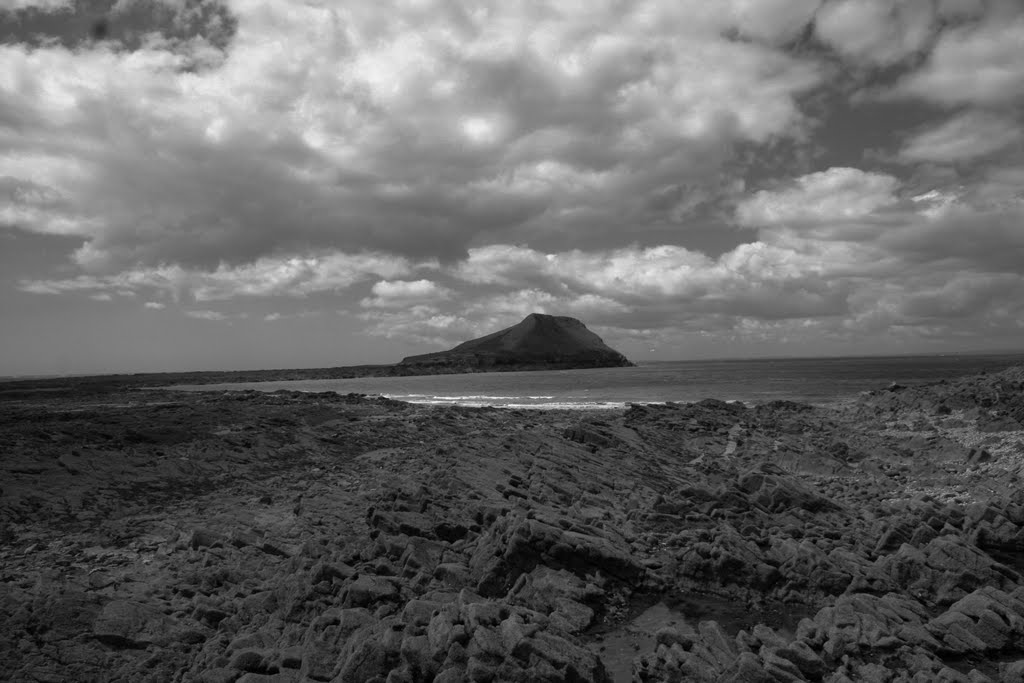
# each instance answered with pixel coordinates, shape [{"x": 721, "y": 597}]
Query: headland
[{"x": 538, "y": 342}]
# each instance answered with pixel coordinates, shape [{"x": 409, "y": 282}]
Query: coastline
[
  {"x": 290, "y": 536},
  {"x": 754, "y": 382}
]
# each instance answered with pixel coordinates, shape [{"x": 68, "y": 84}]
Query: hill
[{"x": 539, "y": 341}]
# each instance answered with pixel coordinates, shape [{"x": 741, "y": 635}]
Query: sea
[{"x": 753, "y": 381}]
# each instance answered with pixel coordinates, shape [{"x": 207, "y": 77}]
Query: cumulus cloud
[
  {"x": 976, "y": 226},
  {"x": 292, "y": 276},
  {"x": 956, "y": 232},
  {"x": 838, "y": 194},
  {"x": 978, "y": 63},
  {"x": 206, "y": 315},
  {"x": 405, "y": 293},
  {"x": 964, "y": 137},
  {"x": 875, "y": 32},
  {"x": 1002, "y": 187},
  {"x": 322, "y": 127},
  {"x": 154, "y": 305},
  {"x": 40, "y": 5},
  {"x": 448, "y": 170},
  {"x": 774, "y": 21},
  {"x": 932, "y": 264},
  {"x": 277, "y": 315},
  {"x": 958, "y": 10},
  {"x": 962, "y": 296}
]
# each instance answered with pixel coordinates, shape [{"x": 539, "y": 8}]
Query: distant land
[{"x": 538, "y": 342}]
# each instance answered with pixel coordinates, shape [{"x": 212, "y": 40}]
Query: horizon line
[{"x": 637, "y": 363}]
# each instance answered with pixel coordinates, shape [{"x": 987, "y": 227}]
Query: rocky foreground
[{"x": 223, "y": 537}]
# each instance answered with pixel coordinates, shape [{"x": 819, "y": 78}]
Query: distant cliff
[{"x": 538, "y": 342}]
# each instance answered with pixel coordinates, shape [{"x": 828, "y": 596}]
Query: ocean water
[{"x": 812, "y": 380}]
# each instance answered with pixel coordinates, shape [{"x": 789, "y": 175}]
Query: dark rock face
[{"x": 538, "y": 341}]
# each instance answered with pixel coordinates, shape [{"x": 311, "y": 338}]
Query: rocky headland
[
  {"x": 539, "y": 342},
  {"x": 267, "y": 538}
]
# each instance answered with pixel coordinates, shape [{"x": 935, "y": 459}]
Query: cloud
[
  {"x": 101, "y": 297},
  {"x": 875, "y": 32},
  {"x": 271, "y": 317},
  {"x": 480, "y": 315},
  {"x": 955, "y": 232},
  {"x": 980, "y": 63},
  {"x": 404, "y": 293},
  {"x": 960, "y": 10},
  {"x": 294, "y": 276},
  {"x": 628, "y": 288},
  {"x": 630, "y": 271},
  {"x": 1002, "y": 187},
  {"x": 838, "y": 194},
  {"x": 403, "y": 129},
  {"x": 443, "y": 171},
  {"x": 873, "y": 213},
  {"x": 40, "y": 5},
  {"x": 206, "y": 315},
  {"x": 774, "y": 21},
  {"x": 155, "y": 305},
  {"x": 916, "y": 266},
  {"x": 964, "y": 137},
  {"x": 962, "y": 296}
]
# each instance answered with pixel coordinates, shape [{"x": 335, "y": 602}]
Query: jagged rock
[
  {"x": 369, "y": 590},
  {"x": 986, "y": 619},
  {"x": 123, "y": 623},
  {"x": 592, "y": 434},
  {"x": 519, "y": 545},
  {"x": 302, "y": 537},
  {"x": 861, "y": 622},
  {"x": 776, "y": 491}
]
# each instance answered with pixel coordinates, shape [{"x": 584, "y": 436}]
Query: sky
[{"x": 232, "y": 184}]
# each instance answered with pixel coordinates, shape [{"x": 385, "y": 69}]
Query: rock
[
  {"x": 123, "y": 623},
  {"x": 407, "y": 543},
  {"x": 369, "y": 590},
  {"x": 369, "y": 658},
  {"x": 1012, "y": 672},
  {"x": 219, "y": 675},
  {"x": 281, "y": 677},
  {"x": 777, "y": 492},
  {"x": 521, "y": 544},
  {"x": 985, "y": 620},
  {"x": 251, "y": 660},
  {"x": 204, "y": 538},
  {"x": 572, "y": 661},
  {"x": 591, "y": 434}
]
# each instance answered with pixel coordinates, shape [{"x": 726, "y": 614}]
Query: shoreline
[
  {"x": 496, "y": 402},
  {"x": 251, "y": 537}
]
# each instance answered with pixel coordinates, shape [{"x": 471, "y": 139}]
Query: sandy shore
[{"x": 148, "y": 535}]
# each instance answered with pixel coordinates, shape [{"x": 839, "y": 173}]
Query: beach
[{"x": 223, "y": 536}]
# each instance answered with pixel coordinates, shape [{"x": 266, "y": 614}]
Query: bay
[{"x": 812, "y": 380}]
